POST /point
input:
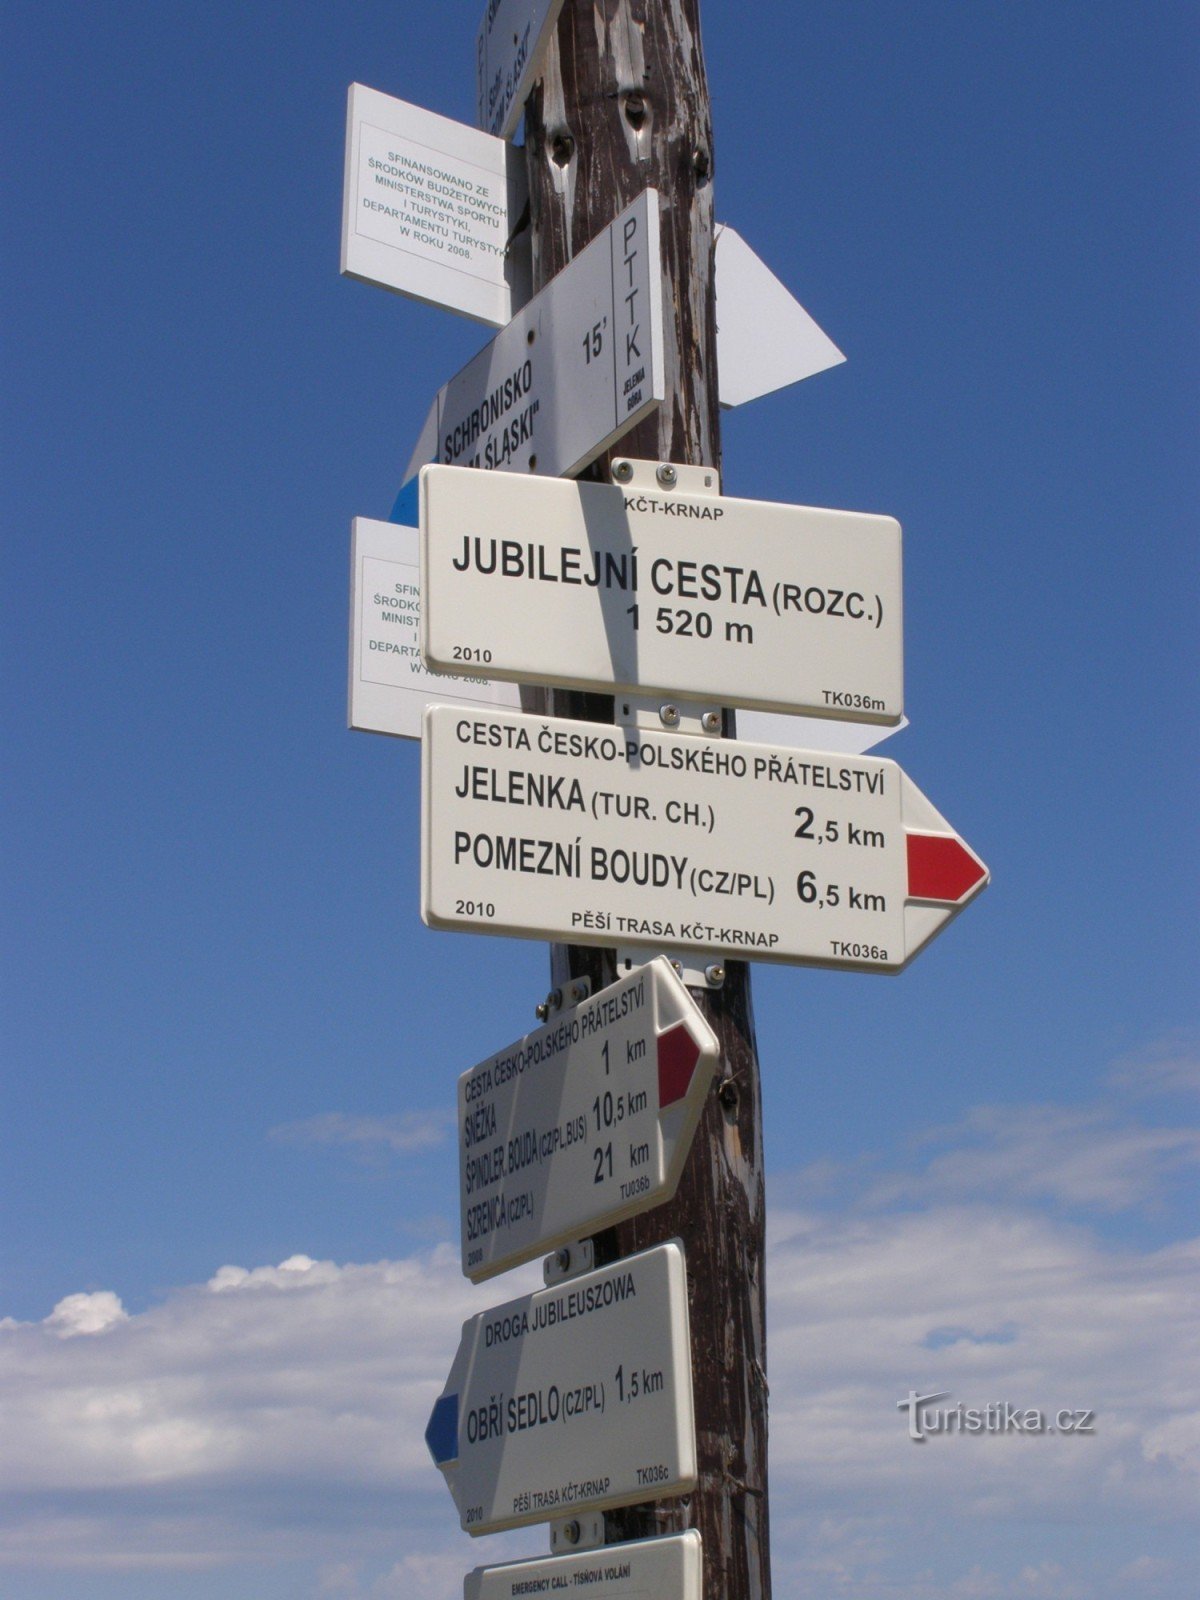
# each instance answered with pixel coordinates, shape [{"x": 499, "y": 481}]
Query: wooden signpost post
[
  {"x": 626, "y": 1403},
  {"x": 624, "y": 105}
]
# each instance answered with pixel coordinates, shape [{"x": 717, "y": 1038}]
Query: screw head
[
  {"x": 667, "y": 475},
  {"x": 715, "y": 974},
  {"x": 541, "y": 1011},
  {"x": 571, "y": 1531},
  {"x": 711, "y": 722},
  {"x": 622, "y": 471},
  {"x": 669, "y": 715}
]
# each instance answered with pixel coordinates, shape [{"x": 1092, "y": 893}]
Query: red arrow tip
[
  {"x": 678, "y": 1054},
  {"x": 940, "y": 867}
]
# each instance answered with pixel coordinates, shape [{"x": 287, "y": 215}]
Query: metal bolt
[
  {"x": 571, "y": 1531},
  {"x": 711, "y": 722},
  {"x": 669, "y": 715},
  {"x": 715, "y": 975},
  {"x": 622, "y": 471},
  {"x": 667, "y": 475},
  {"x": 562, "y": 1258},
  {"x": 552, "y": 1002}
]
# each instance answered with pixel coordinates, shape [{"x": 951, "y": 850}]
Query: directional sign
[
  {"x": 509, "y": 52},
  {"x": 390, "y": 685},
  {"x": 743, "y": 602},
  {"x": 578, "y": 367},
  {"x": 667, "y": 1569},
  {"x": 429, "y": 206},
  {"x": 577, "y": 831},
  {"x": 765, "y": 338},
  {"x": 577, "y": 1396},
  {"x": 582, "y": 1123}
]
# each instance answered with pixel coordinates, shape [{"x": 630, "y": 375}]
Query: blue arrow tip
[
  {"x": 442, "y": 1433},
  {"x": 405, "y": 509}
]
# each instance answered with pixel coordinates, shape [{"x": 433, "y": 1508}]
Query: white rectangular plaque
[
  {"x": 618, "y": 836},
  {"x": 653, "y": 591},
  {"x": 578, "y": 1396},
  {"x": 574, "y": 369},
  {"x": 509, "y": 52},
  {"x": 390, "y": 685},
  {"x": 582, "y": 1123},
  {"x": 426, "y": 208},
  {"x": 643, "y": 1569}
]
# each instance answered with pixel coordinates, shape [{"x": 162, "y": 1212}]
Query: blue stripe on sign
[
  {"x": 405, "y": 510},
  {"x": 442, "y": 1433}
]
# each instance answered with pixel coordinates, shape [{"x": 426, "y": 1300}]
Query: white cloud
[
  {"x": 1169, "y": 1066},
  {"x": 414, "y": 1130},
  {"x": 1086, "y": 1157},
  {"x": 276, "y": 1414},
  {"x": 86, "y": 1313},
  {"x": 1096, "y": 1158}
]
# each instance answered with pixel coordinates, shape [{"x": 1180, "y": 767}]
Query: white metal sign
[
  {"x": 644, "y": 1569},
  {"x": 509, "y": 52},
  {"x": 765, "y": 338},
  {"x": 390, "y": 685},
  {"x": 663, "y": 591},
  {"x": 583, "y": 1122},
  {"x": 577, "y": 1396},
  {"x": 604, "y": 835},
  {"x": 426, "y": 208},
  {"x": 575, "y": 369}
]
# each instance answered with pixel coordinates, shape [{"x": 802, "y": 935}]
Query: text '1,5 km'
[
  {"x": 579, "y": 1395},
  {"x": 570, "y": 830}
]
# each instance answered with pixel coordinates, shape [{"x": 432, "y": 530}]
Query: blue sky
[{"x": 227, "y": 1270}]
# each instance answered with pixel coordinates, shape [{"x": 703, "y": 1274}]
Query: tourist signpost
[
  {"x": 576, "y": 1397},
  {"x": 390, "y": 684},
  {"x": 583, "y": 1122},
  {"x": 643, "y": 1569},
  {"x": 626, "y": 836},
  {"x": 699, "y": 595},
  {"x": 509, "y": 51},
  {"x": 572, "y": 371},
  {"x": 655, "y": 837}
]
